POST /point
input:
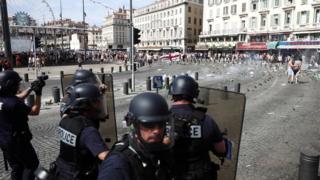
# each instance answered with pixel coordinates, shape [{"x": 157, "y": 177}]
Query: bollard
[
  {"x": 30, "y": 100},
  {"x": 225, "y": 93},
  {"x": 102, "y": 70},
  {"x": 134, "y": 67},
  {"x": 167, "y": 81},
  {"x": 56, "y": 94},
  {"x": 112, "y": 69},
  {"x": 26, "y": 77},
  {"x": 120, "y": 68},
  {"x": 148, "y": 81},
  {"x": 126, "y": 88},
  {"x": 130, "y": 83},
  {"x": 237, "y": 87},
  {"x": 196, "y": 76},
  {"x": 61, "y": 73},
  {"x": 308, "y": 168}
]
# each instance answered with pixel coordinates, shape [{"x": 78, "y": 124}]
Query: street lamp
[
  {"x": 84, "y": 31},
  {"x": 131, "y": 48}
]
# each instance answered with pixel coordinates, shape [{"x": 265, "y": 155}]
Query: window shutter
[{"x": 298, "y": 17}]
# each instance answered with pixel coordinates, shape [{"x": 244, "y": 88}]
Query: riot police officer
[
  {"x": 15, "y": 135},
  {"x": 80, "y": 76},
  {"x": 196, "y": 134},
  {"x": 140, "y": 154},
  {"x": 81, "y": 145}
]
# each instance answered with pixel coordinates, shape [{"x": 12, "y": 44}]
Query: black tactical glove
[{"x": 37, "y": 86}]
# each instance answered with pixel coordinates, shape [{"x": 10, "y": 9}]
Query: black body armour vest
[
  {"x": 191, "y": 149},
  {"x": 79, "y": 159},
  {"x": 141, "y": 167}
]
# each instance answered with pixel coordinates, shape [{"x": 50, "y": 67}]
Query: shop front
[{"x": 299, "y": 49}]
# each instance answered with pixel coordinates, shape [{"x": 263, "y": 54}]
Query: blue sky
[{"x": 95, "y": 9}]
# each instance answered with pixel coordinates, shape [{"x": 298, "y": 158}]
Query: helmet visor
[{"x": 98, "y": 109}]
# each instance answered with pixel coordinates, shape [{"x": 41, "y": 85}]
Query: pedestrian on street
[
  {"x": 140, "y": 154},
  {"x": 290, "y": 70},
  {"x": 15, "y": 134},
  {"x": 191, "y": 150},
  {"x": 81, "y": 145}
]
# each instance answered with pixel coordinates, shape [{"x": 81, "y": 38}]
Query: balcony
[
  {"x": 220, "y": 32},
  {"x": 288, "y": 5}
]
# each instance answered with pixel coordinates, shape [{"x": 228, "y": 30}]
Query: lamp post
[
  {"x": 131, "y": 48},
  {"x": 5, "y": 30},
  {"x": 61, "y": 23},
  {"x": 84, "y": 31}
]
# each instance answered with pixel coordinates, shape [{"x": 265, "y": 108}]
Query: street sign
[{"x": 157, "y": 82}]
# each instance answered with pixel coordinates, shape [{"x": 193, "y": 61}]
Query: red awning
[{"x": 253, "y": 46}]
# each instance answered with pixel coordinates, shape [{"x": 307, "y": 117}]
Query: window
[
  {"x": 189, "y": 20},
  {"x": 263, "y": 20},
  {"x": 234, "y": 9},
  {"x": 254, "y": 6},
  {"x": 195, "y": 21},
  {"x": 210, "y": 14},
  {"x": 264, "y": 4},
  {"x": 317, "y": 16},
  {"x": 303, "y": 17},
  {"x": 287, "y": 17},
  {"x": 218, "y": 12},
  {"x": 200, "y": 22},
  {"x": 253, "y": 22},
  {"x": 225, "y": 10},
  {"x": 218, "y": 2},
  {"x": 275, "y": 20},
  {"x": 195, "y": 32},
  {"x": 210, "y": 27},
  {"x": 243, "y": 24},
  {"x": 290, "y": 1},
  {"x": 189, "y": 9},
  {"x": 276, "y": 3},
  {"x": 243, "y": 9},
  {"x": 304, "y": 2}
]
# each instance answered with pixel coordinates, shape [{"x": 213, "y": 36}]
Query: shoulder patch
[{"x": 67, "y": 137}]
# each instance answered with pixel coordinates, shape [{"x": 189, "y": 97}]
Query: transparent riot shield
[
  {"x": 227, "y": 109},
  {"x": 108, "y": 128}
]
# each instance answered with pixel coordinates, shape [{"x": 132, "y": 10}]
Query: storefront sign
[
  {"x": 253, "y": 46},
  {"x": 299, "y": 45}
]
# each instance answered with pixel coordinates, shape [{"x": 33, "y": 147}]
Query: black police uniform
[
  {"x": 80, "y": 144},
  {"x": 197, "y": 133},
  {"x": 129, "y": 162},
  {"x": 15, "y": 137}
]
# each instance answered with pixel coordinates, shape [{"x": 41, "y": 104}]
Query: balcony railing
[{"x": 220, "y": 32}]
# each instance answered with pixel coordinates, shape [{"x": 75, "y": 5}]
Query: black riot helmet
[
  {"x": 86, "y": 99},
  {"x": 84, "y": 76},
  {"x": 184, "y": 87},
  {"x": 148, "y": 110},
  {"x": 9, "y": 83}
]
